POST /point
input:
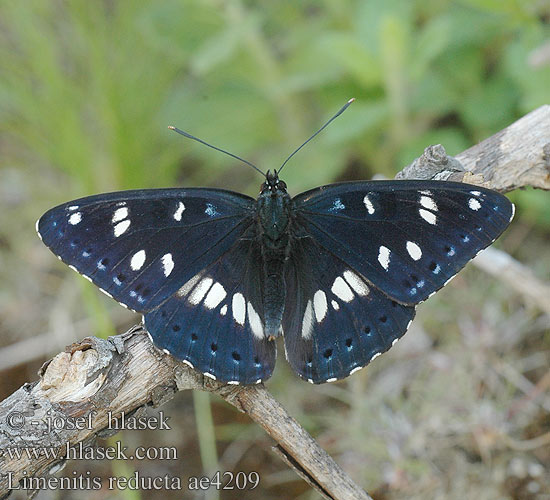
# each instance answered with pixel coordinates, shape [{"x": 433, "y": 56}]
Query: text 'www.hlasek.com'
[{"x": 54, "y": 457}]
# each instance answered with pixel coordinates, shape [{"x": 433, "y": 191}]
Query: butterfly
[{"x": 336, "y": 271}]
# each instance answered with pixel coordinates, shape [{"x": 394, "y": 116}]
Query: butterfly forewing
[
  {"x": 335, "y": 322},
  {"x": 141, "y": 246},
  {"x": 407, "y": 238}
]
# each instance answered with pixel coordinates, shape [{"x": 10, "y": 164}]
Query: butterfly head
[{"x": 273, "y": 185}]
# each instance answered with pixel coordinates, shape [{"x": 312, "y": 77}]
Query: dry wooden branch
[
  {"x": 516, "y": 157},
  {"x": 517, "y": 276},
  {"x": 126, "y": 373}
]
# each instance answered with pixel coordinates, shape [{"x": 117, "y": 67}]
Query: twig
[
  {"x": 516, "y": 157},
  {"x": 517, "y": 276},
  {"x": 126, "y": 373}
]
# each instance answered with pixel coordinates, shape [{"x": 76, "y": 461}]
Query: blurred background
[{"x": 460, "y": 408}]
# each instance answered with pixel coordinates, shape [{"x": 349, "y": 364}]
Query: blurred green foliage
[{"x": 89, "y": 87}]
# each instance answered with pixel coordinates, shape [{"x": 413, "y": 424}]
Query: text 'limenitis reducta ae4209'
[{"x": 336, "y": 271}]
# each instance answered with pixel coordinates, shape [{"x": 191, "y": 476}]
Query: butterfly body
[
  {"x": 274, "y": 226},
  {"x": 337, "y": 270}
]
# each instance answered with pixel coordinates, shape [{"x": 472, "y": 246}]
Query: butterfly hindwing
[
  {"x": 334, "y": 321},
  {"x": 215, "y": 321},
  {"x": 141, "y": 246},
  {"x": 408, "y": 238}
]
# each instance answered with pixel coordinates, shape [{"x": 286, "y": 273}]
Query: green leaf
[
  {"x": 490, "y": 107},
  {"x": 430, "y": 44},
  {"x": 348, "y": 53}
]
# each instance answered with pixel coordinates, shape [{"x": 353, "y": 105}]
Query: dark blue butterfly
[{"x": 218, "y": 275}]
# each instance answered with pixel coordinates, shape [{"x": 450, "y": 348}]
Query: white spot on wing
[
  {"x": 335, "y": 305},
  {"x": 121, "y": 227},
  {"x": 72, "y": 208},
  {"x": 474, "y": 204},
  {"x": 186, "y": 288},
  {"x": 476, "y": 193},
  {"x": 209, "y": 375},
  {"x": 320, "y": 305},
  {"x": 449, "y": 280},
  {"x": 216, "y": 294},
  {"x": 375, "y": 356},
  {"x": 200, "y": 290},
  {"x": 384, "y": 257},
  {"x": 414, "y": 250},
  {"x": 356, "y": 369},
  {"x": 75, "y": 218},
  {"x": 368, "y": 204},
  {"x": 428, "y": 216},
  {"x": 342, "y": 290},
  {"x": 333, "y": 379},
  {"x": 307, "y": 321},
  {"x": 223, "y": 310},
  {"x": 428, "y": 203},
  {"x": 179, "y": 211},
  {"x": 255, "y": 322},
  {"x": 137, "y": 261},
  {"x": 239, "y": 308},
  {"x": 106, "y": 293},
  {"x": 120, "y": 214},
  {"x": 358, "y": 285},
  {"x": 426, "y": 192},
  {"x": 167, "y": 264},
  {"x": 513, "y": 212}
]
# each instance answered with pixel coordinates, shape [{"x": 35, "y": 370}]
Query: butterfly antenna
[
  {"x": 342, "y": 109},
  {"x": 189, "y": 136}
]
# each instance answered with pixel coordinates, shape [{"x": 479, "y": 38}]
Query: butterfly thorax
[
  {"x": 274, "y": 208},
  {"x": 273, "y": 212}
]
